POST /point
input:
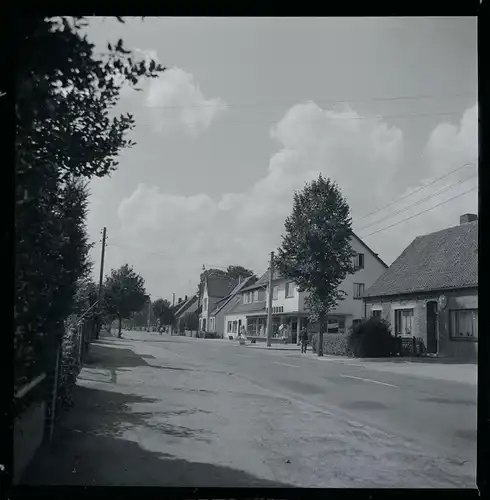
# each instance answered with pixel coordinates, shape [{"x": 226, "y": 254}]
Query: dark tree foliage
[
  {"x": 65, "y": 134},
  {"x": 315, "y": 251},
  {"x": 124, "y": 294},
  {"x": 162, "y": 309}
]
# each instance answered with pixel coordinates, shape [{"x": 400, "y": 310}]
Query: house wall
[
  {"x": 349, "y": 307},
  {"x": 290, "y": 304},
  {"x": 233, "y": 317},
  {"x": 456, "y": 299},
  {"x": 211, "y": 305}
]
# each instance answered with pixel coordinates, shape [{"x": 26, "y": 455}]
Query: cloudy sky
[{"x": 250, "y": 109}]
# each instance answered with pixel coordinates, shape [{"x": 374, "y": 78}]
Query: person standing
[{"x": 304, "y": 339}]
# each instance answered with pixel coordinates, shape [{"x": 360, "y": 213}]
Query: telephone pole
[
  {"x": 269, "y": 309},
  {"x": 149, "y": 312},
  {"x": 101, "y": 279}
]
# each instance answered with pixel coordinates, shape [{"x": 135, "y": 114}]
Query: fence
[{"x": 37, "y": 404}]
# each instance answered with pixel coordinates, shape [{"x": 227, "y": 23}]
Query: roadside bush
[
  {"x": 69, "y": 366},
  {"x": 212, "y": 335},
  {"x": 314, "y": 342},
  {"x": 333, "y": 343},
  {"x": 371, "y": 339}
]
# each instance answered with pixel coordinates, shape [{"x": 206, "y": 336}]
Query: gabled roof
[
  {"x": 220, "y": 286},
  {"x": 443, "y": 260},
  {"x": 240, "y": 308},
  {"x": 263, "y": 281},
  {"x": 376, "y": 256},
  {"x": 225, "y": 300},
  {"x": 183, "y": 307}
]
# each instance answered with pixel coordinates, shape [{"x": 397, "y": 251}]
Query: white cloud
[
  {"x": 177, "y": 103},
  {"x": 363, "y": 155}
]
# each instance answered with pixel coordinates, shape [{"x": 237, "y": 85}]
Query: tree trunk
[
  {"x": 119, "y": 334},
  {"x": 320, "y": 335}
]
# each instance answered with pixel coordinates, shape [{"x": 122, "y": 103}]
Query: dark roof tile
[{"x": 443, "y": 260}]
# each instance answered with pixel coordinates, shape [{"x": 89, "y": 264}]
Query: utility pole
[
  {"x": 149, "y": 312},
  {"x": 101, "y": 279},
  {"x": 199, "y": 301},
  {"x": 269, "y": 310}
]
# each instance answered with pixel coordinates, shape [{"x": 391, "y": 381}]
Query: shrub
[
  {"x": 314, "y": 343},
  {"x": 371, "y": 339},
  {"x": 211, "y": 335}
]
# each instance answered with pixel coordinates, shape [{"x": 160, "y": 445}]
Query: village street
[{"x": 174, "y": 411}]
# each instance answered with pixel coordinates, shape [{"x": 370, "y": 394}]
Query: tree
[
  {"x": 65, "y": 133},
  {"x": 190, "y": 321},
  {"x": 124, "y": 293},
  {"x": 162, "y": 309},
  {"x": 235, "y": 272},
  {"x": 315, "y": 250}
]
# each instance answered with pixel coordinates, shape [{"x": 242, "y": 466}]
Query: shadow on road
[{"x": 88, "y": 449}]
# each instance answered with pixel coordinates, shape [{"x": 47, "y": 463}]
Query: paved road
[{"x": 213, "y": 413}]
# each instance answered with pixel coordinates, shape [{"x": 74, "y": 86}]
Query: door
[
  {"x": 294, "y": 332},
  {"x": 432, "y": 341},
  {"x": 204, "y": 324}
]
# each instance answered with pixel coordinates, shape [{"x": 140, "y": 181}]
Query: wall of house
[
  {"x": 233, "y": 317},
  {"x": 456, "y": 299},
  {"x": 349, "y": 307},
  {"x": 289, "y": 304},
  {"x": 373, "y": 269}
]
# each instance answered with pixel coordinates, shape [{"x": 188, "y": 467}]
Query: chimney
[
  {"x": 185, "y": 298},
  {"x": 180, "y": 300},
  {"x": 239, "y": 279},
  {"x": 464, "y": 219}
]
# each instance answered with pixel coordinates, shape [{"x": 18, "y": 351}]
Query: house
[
  {"x": 216, "y": 323},
  {"x": 431, "y": 291},
  {"x": 248, "y": 310},
  {"x": 184, "y": 307},
  {"x": 288, "y": 304},
  {"x": 215, "y": 289}
]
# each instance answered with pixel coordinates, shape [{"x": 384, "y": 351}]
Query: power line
[
  {"x": 374, "y": 117},
  {"x": 423, "y": 212},
  {"x": 268, "y": 102},
  {"x": 419, "y": 189},
  {"x": 447, "y": 188}
]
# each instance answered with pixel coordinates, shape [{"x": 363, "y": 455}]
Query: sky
[{"x": 249, "y": 109}]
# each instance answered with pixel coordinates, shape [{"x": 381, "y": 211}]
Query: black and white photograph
[{"x": 246, "y": 252}]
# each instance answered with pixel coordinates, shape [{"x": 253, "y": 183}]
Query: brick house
[{"x": 431, "y": 291}]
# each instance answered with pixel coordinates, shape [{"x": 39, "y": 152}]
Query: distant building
[{"x": 215, "y": 289}]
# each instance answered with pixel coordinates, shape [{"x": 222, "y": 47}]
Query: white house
[
  {"x": 215, "y": 289},
  {"x": 289, "y": 312}
]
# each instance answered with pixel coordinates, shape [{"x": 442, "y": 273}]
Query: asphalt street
[{"x": 176, "y": 411}]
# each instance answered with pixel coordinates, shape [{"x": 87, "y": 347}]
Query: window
[
  {"x": 376, "y": 313},
  {"x": 289, "y": 290},
  {"x": 235, "y": 326},
  {"x": 230, "y": 326},
  {"x": 250, "y": 297},
  {"x": 256, "y": 295},
  {"x": 205, "y": 304},
  {"x": 275, "y": 291},
  {"x": 358, "y": 261},
  {"x": 464, "y": 324},
  {"x": 245, "y": 298},
  {"x": 358, "y": 290},
  {"x": 404, "y": 322}
]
